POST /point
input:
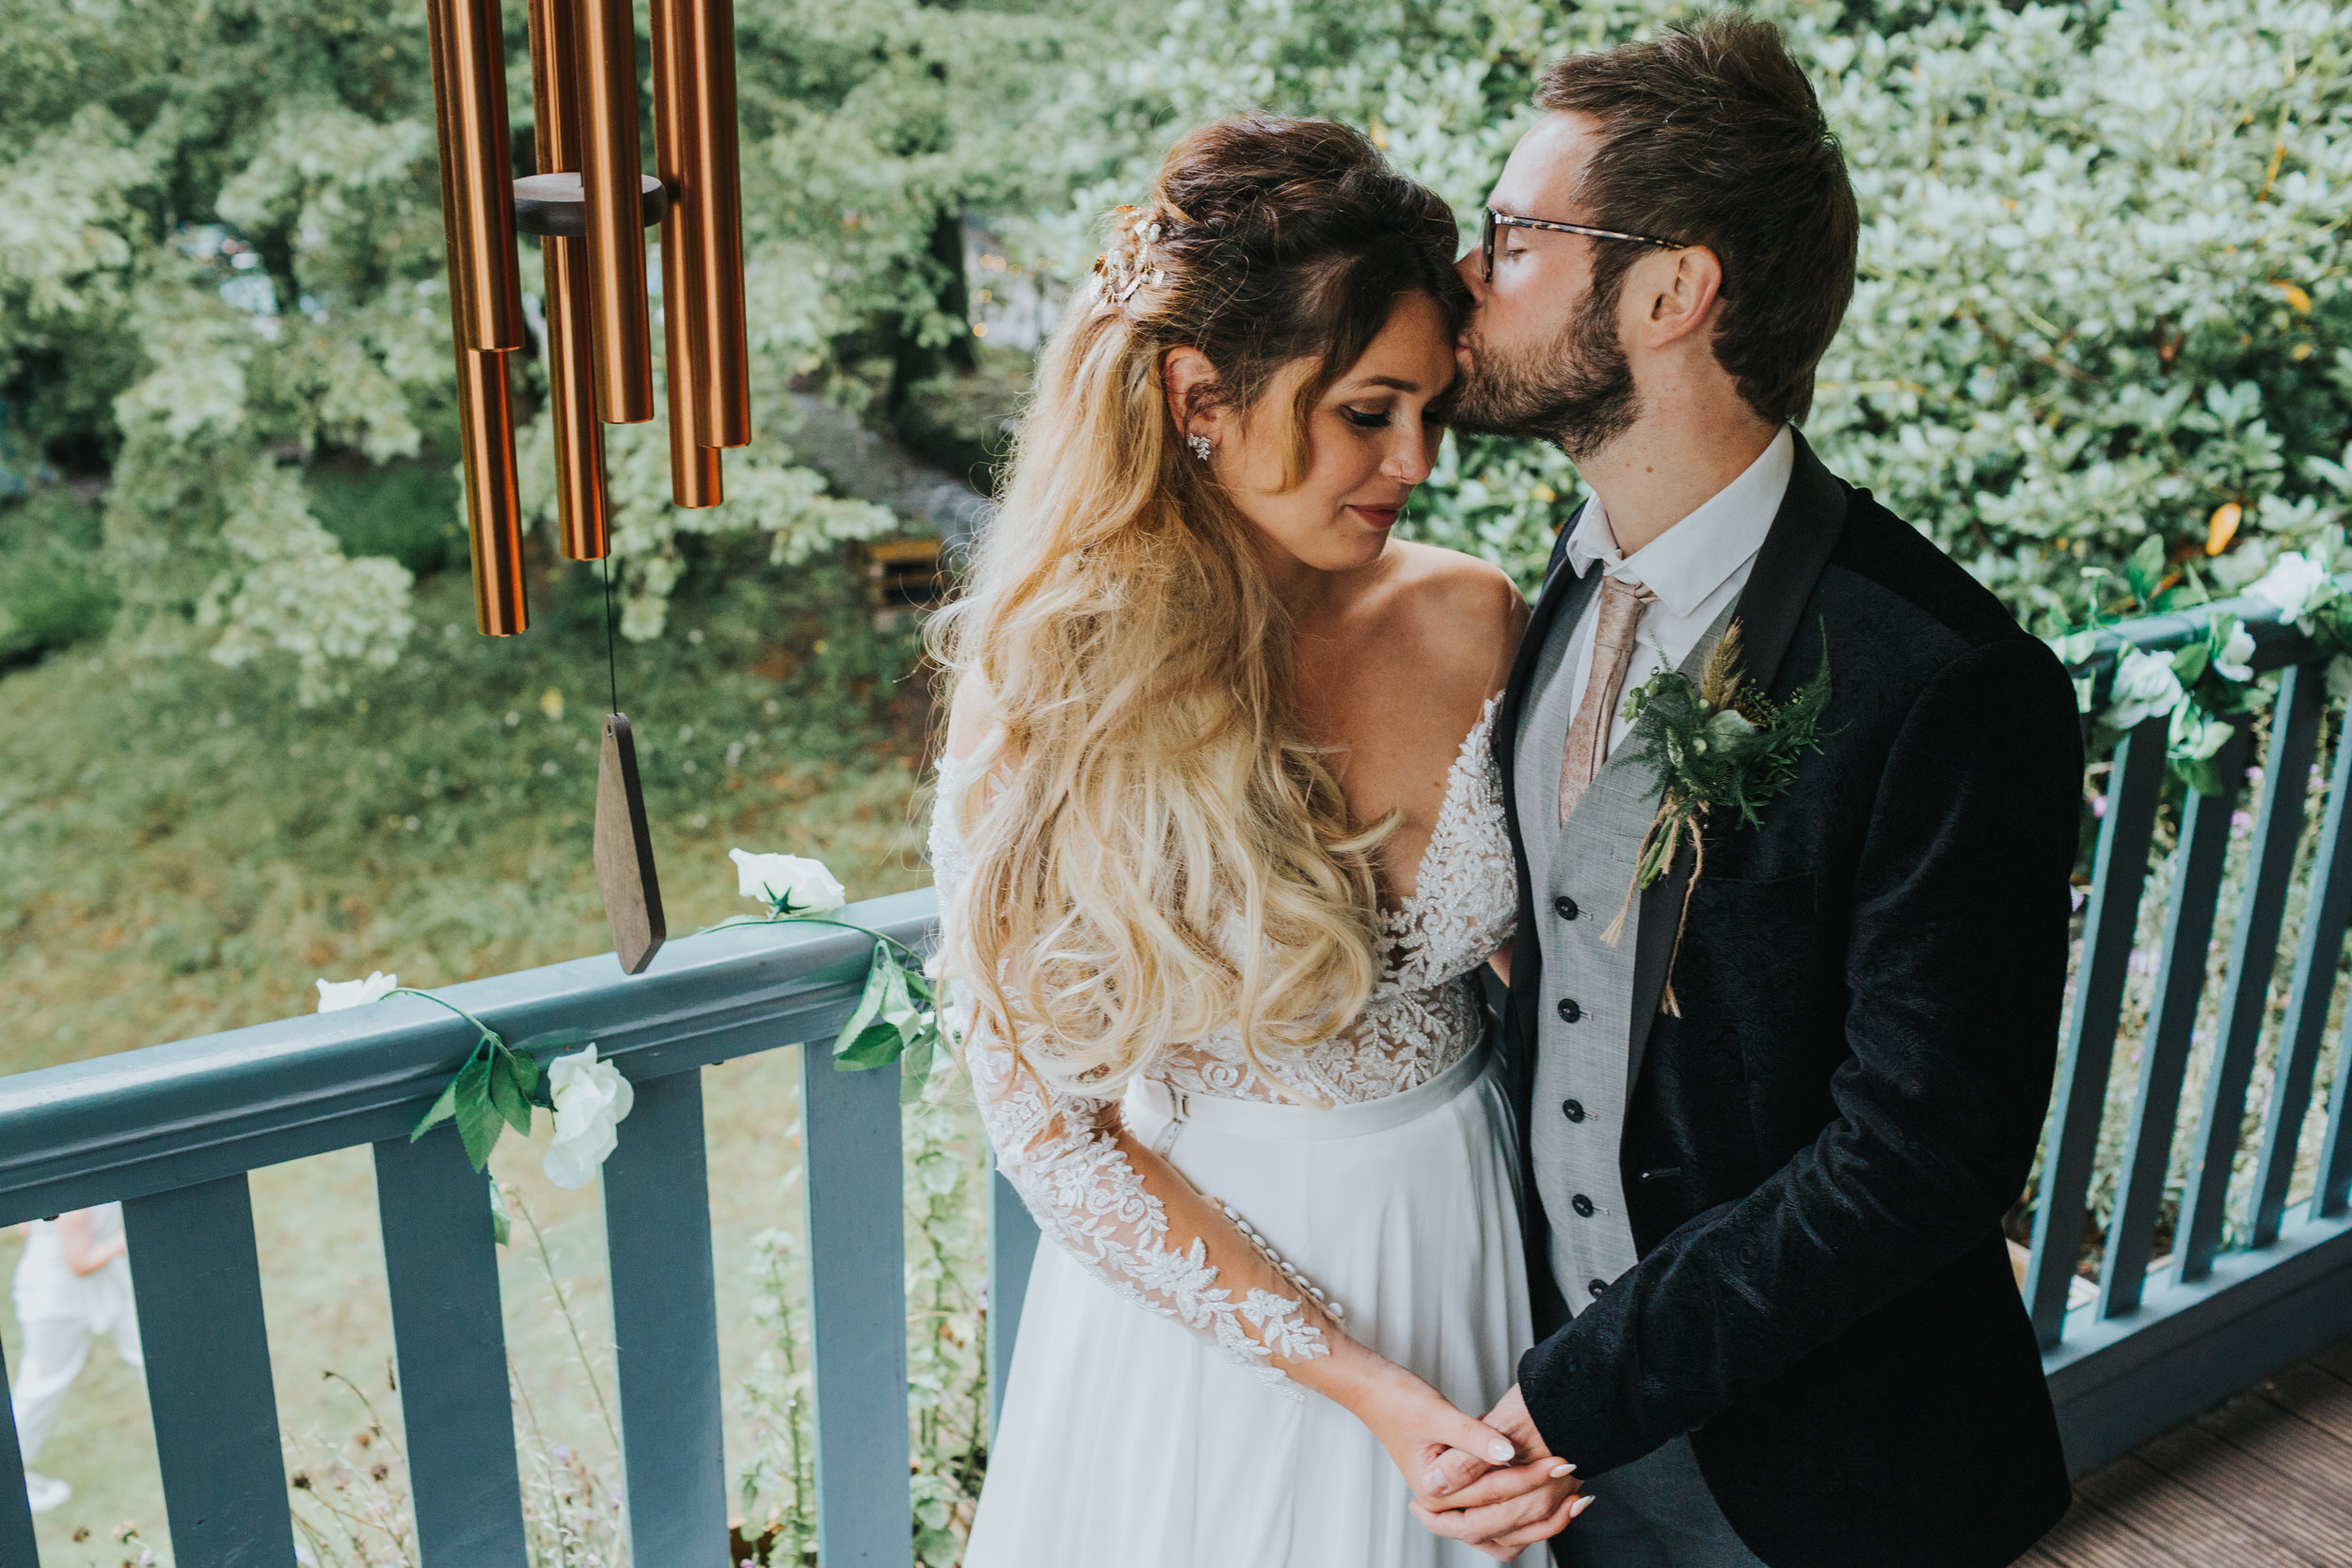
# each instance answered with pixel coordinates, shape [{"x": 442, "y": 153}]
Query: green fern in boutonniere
[{"x": 1719, "y": 747}]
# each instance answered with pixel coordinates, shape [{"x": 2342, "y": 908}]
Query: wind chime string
[{"x": 612, "y": 670}]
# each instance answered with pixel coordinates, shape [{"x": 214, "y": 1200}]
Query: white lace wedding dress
[{"x": 1147, "y": 1423}]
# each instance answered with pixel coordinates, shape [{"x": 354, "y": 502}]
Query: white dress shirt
[{"x": 1695, "y": 567}]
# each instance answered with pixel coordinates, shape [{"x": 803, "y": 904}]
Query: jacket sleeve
[{"x": 1954, "y": 967}]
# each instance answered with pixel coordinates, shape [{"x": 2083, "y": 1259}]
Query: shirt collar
[{"x": 1693, "y": 558}]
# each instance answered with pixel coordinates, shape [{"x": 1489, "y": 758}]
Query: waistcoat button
[
  {"x": 1597, "y": 1286},
  {"x": 1564, "y": 907},
  {"x": 1583, "y": 1205},
  {"x": 1569, "y": 1011},
  {"x": 1572, "y": 1109}
]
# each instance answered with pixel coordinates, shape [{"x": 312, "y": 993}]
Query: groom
[{"x": 1767, "y": 1161}]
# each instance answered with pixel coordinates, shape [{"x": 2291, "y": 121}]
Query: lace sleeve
[{"x": 1123, "y": 1211}]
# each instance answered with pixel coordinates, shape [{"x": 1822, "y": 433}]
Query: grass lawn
[{"x": 184, "y": 849}]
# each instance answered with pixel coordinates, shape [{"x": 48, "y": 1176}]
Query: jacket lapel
[{"x": 1804, "y": 531}]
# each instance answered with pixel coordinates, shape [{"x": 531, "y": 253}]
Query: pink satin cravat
[{"x": 1620, "y": 612}]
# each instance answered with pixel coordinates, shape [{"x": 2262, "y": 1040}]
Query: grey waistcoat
[{"x": 1585, "y": 1051}]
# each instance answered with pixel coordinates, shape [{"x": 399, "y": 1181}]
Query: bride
[{"x": 1218, "y": 846}]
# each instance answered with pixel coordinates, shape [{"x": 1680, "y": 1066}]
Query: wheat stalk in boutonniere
[
  {"x": 898, "y": 1016},
  {"x": 1722, "y": 747}
]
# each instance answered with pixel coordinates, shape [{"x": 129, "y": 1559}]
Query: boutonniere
[{"x": 1718, "y": 746}]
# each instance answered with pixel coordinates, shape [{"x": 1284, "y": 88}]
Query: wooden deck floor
[{"x": 2263, "y": 1481}]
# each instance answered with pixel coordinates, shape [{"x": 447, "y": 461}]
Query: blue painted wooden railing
[
  {"x": 2149, "y": 1349},
  {"x": 173, "y": 1130}
]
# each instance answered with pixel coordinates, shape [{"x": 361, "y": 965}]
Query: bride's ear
[{"x": 1191, "y": 384}]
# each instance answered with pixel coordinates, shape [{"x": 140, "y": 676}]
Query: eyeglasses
[{"x": 1490, "y": 220}]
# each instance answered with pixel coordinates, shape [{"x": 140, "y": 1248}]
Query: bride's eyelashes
[{"x": 1367, "y": 418}]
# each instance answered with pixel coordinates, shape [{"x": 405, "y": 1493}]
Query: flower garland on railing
[
  {"x": 498, "y": 1084},
  {"x": 2207, "y": 684},
  {"x": 898, "y": 1017}
]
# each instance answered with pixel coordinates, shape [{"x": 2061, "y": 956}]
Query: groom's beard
[{"x": 1576, "y": 391}]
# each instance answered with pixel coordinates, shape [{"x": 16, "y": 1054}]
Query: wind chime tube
[
  {"x": 695, "y": 469},
  {"x": 722, "y": 361},
  {"x": 477, "y": 182},
  {"x": 611, "y": 179},
  {"x": 487, "y": 424},
  {"x": 571, "y": 363}
]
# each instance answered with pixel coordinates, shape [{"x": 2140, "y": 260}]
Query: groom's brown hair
[{"x": 1711, "y": 136}]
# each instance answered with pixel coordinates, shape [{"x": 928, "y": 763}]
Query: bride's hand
[
  {"x": 1504, "y": 1510},
  {"x": 1417, "y": 1425}
]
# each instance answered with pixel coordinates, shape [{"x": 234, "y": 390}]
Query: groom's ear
[
  {"x": 1683, "y": 289},
  {"x": 1191, "y": 383}
]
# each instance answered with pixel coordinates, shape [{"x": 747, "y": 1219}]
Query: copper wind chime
[{"x": 590, "y": 203}]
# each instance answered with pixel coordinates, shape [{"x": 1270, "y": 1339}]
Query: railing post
[
  {"x": 198, "y": 1279},
  {"x": 441, "y": 1269},
  {"x": 853, "y": 1164},
  {"x": 2118, "y": 873},
  {"x": 16, "y": 1509},
  {"x": 2253, "y": 957},
  {"x": 2188, "y": 921},
  {"x": 2334, "y": 1192},
  {"x": 2308, "y": 995},
  {"x": 1012, "y": 1252},
  {"x": 665, "y": 1326}
]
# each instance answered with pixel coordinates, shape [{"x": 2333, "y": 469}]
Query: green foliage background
[{"x": 2101, "y": 296}]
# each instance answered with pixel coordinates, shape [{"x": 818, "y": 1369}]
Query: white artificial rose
[
  {"x": 2193, "y": 738},
  {"x": 2290, "y": 586},
  {"x": 590, "y": 1098},
  {"x": 335, "y": 996},
  {"x": 2234, "y": 660},
  {"x": 2145, "y": 687},
  {"x": 802, "y": 886}
]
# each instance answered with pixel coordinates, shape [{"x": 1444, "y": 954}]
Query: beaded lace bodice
[{"x": 1124, "y": 1212}]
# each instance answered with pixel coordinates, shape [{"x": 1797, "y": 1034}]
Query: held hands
[{"x": 1500, "y": 1509}]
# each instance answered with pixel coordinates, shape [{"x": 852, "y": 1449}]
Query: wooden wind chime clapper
[{"x": 590, "y": 203}]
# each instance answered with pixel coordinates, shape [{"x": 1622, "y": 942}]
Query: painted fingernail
[
  {"x": 1560, "y": 1471},
  {"x": 1498, "y": 1451},
  {"x": 1433, "y": 1481},
  {"x": 1579, "y": 1506}
]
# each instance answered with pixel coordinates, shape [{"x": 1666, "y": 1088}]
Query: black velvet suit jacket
[{"x": 1818, "y": 1153}]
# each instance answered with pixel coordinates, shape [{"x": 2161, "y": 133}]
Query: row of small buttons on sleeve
[{"x": 1286, "y": 1269}]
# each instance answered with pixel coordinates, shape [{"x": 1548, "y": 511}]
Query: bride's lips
[{"x": 1378, "y": 516}]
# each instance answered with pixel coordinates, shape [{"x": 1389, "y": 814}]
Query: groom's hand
[{"x": 1504, "y": 1509}]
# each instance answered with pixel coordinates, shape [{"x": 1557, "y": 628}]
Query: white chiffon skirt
[{"x": 1125, "y": 1440}]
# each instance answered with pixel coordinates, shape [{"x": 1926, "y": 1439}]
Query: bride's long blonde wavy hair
[{"x": 1157, "y": 851}]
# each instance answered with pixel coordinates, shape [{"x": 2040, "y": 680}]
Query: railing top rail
[
  {"x": 166, "y": 1116},
  {"x": 2277, "y": 642}
]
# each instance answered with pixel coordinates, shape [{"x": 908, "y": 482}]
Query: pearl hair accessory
[
  {"x": 1126, "y": 264},
  {"x": 1200, "y": 445}
]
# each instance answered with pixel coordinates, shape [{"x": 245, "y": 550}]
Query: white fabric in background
[
  {"x": 47, "y": 1287},
  {"x": 61, "y": 1312}
]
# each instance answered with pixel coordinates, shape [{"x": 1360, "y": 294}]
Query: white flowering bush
[{"x": 2100, "y": 296}]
